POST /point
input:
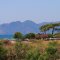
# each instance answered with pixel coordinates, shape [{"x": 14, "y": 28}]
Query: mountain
[{"x": 23, "y": 27}]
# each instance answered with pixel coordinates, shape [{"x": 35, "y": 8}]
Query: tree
[
  {"x": 47, "y": 27},
  {"x": 57, "y": 29},
  {"x": 30, "y": 36},
  {"x": 18, "y": 35},
  {"x": 54, "y": 27}
]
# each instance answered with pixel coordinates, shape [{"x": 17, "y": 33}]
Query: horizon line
[{"x": 28, "y": 20}]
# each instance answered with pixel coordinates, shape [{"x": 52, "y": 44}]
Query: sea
[{"x": 6, "y": 36}]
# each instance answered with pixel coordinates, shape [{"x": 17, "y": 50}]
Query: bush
[
  {"x": 30, "y": 36},
  {"x": 50, "y": 35},
  {"x": 18, "y": 35},
  {"x": 57, "y": 35},
  {"x": 51, "y": 51},
  {"x": 3, "y": 53},
  {"x": 21, "y": 51},
  {"x": 33, "y": 54}
]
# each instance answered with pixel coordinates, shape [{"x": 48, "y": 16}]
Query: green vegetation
[
  {"x": 18, "y": 35},
  {"x": 54, "y": 27},
  {"x": 57, "y": 35},
  {"x": 30, "y": 36},
  {"x": 3, "y": 52},
  {"x": 47, "y": 27},
  {"x": 22, "y": 51},
  {"x": 32, "y": 50}
]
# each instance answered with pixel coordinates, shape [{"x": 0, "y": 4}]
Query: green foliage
[
  {"x": 57, "y": 35},
  {"x": 50, "y": 35},
  {"x": 51, "y": 51},
  {"x": 3, "y": 53},
  {"x": 18, "y": 51},
  {"x": 47, "y": 27},
  {"x": 1, "y": 43},
  {"x": 30, "y": 35},
  {"x": 53, "y": 44},
  {"x": 18, "y": 35},
  {"x": 21, "y": 51},
  {"x": 33, "y": 54}
]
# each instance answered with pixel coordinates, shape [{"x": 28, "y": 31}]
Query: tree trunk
[{"x": 53, "y": 31}]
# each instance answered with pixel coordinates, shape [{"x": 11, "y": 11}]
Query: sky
[{"x": 34, "y": 10}]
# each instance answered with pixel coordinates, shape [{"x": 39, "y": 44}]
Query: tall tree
[
  {"x": 54, "y": 27},
  {"x": 47, "y": 27}
]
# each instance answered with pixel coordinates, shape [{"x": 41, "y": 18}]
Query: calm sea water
[{"x": 6, "y": 36}]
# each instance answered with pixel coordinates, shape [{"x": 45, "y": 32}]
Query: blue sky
[{"x": 35, "y": 10}]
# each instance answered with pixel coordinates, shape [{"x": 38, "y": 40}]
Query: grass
[
  {"x": 34, "y": 43},
  {"x": 40, "y": 43}
]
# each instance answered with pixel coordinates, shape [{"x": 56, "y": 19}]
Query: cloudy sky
[{"x": 35, "y": 10}]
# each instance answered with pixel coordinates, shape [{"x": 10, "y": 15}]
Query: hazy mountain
[{"x": 23, "y": 27}]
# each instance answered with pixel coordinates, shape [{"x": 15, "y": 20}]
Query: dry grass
[
  {"x": 35, "y": 43},
  {"x": 40, "y": 43}
]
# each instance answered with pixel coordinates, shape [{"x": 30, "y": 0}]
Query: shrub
[
  {"x": 33, "y": 54},
  {"x": 3, "y": 53},
  {"x": 30, "y": 36},
  {"x": 18, "y": 35}
]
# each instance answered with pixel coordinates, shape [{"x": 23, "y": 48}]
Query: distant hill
[{"x": 23, "y": 27}]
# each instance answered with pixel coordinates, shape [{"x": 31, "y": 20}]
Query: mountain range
[{"x": 23, "y": 27}]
